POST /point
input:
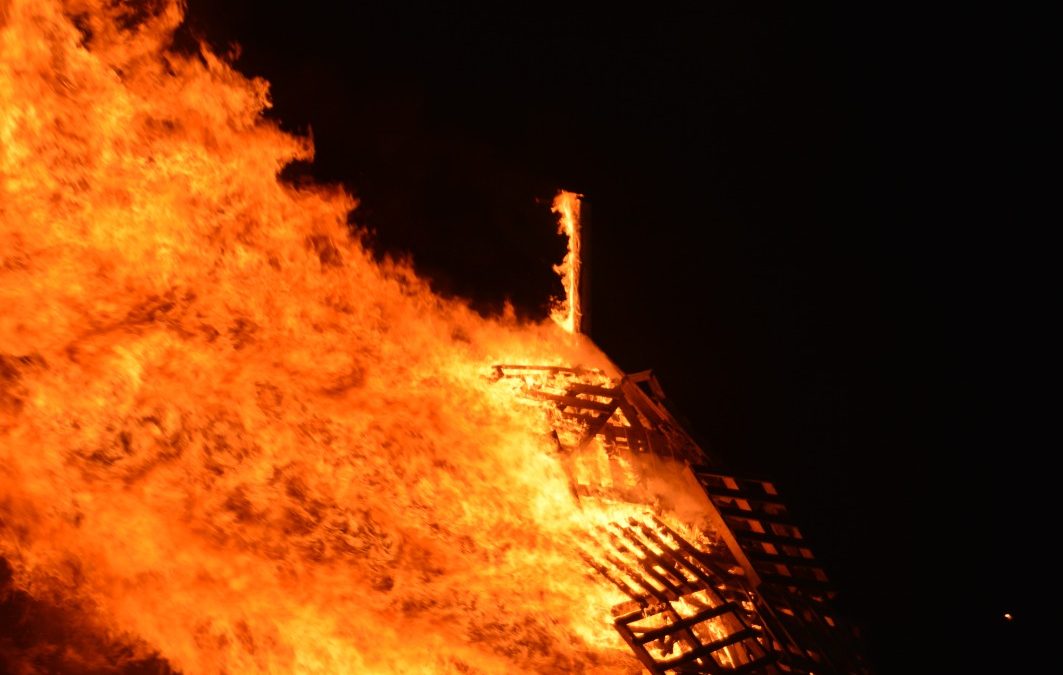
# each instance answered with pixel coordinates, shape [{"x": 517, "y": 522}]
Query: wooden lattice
[
  {"x": 757, "y": 602},
  {"x": 685, "y": 614},
  {"x": 793, "y": 590}
]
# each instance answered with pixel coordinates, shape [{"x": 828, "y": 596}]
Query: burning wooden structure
[
  {"x": 750, "y": 598},
  {"x": 232, "y": 440}
]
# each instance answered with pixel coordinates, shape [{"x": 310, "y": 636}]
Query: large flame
[{"x": 228, "y": 436}]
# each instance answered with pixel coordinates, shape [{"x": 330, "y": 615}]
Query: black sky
[{"x": 814, "y": 224}]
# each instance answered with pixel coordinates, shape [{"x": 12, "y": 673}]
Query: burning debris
[{"x": 233, "y": 441}]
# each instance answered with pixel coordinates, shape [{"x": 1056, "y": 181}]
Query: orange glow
[
  {"x": 567, "y": 311},
  {"x": 228, "y": 436}
]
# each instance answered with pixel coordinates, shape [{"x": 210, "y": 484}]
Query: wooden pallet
[
  {"x": 685, "y": 614},
  {"x": 792, "y": 589},
  {"x": 759, "y": 602},
  {"x": 771, "y": 543},
  {"x": 625, "y": 414}
]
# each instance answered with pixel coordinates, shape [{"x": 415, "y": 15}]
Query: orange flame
[
  {"x": 228, "y": 436},
  {"x": 567, "y": 311}
]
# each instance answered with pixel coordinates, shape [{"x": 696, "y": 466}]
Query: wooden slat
[
  {"x": 643, "y": 403},
  {"x": 552, "y": 369},
  {"x": 624, "y": 587},
  {"x": 693, "y": 553},
  {"x": 640, "y": 652},
  {"x": 741, "y": 494},
  {"x": 686, "y": 622},
  {"x": 793, "y": 561},
  {"x": 762, "y": 484},
  {"x": 783, "y": 580},
  {"x": 670, "y": 566},
  {"x": 641, "y": 612},
  {"x": 593, "y": 390},
  {"x": 586, "y": 419},
  {"x": 778, "y": 516},
  {"x": 771, "y": 537},
  {"x": 755, "y": 515},
  {"x": 649, "y": 378},
  {"x": 664, "y": 596},
  {"x": 708, "y": 649},
  {"x": 702, "y": 573},
  {"x": 637, "y": 434},
  {"x": 646, "y": 565},
  {"x": 635, "y": 437},
  {"x": 572, "y": 401},
  {"x": 596, "y": 426}
]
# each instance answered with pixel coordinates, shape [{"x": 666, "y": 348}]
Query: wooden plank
[
  {"x": 641, "y": 612},
  {"x": 630, "y": 413},
  {"x": 685, "y": 586},
  {"x": 695, "y": 555},
  {"x": 645, "y": 405},
  {"x": 656, "y": 388},
  {"x": 740, "y": 494},
  {"x": 743, "y": 525},
  {"x": 767, "y": 486},
  {"x": 771, "y": 538},
  {"x": 552, "y": 369},
  {"x": 755, "y": 515},
  {"x": 640, "y": 652},
  {"x": 594, "y": 390},
  {"x": 638, "y": 440},
  {"x": 755, "y": 510},
  {"x": 619, "y": 583},
  {"x": 710, "y": 582},
  {"x": 637, "y": 434},
  {"x": 634, "y": 439},
  {"x": 833, "y": 655},
  {"x": 646, "y": 565},
  {"x": 572, "y": 401},
  {"x": 585, "y": 419},
  {"x": 640, "y": 376},
  {"x": 793, "y": 561},
  {"x": 663, "y": 597},
  {"x": 595, "y": 427},
  {"x": 708, "y": 649},
  {"x": 628, "y": 633},
  {"x": 783, "y": 580},
  {"x": 723, "y": 529},
  {"x": 649, "y": 378},
  {"x": 695, "y": 569},
  {"x": 686, "y": 622}
]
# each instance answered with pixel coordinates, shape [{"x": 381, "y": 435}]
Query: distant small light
[{"x": 1008, "y": 616}]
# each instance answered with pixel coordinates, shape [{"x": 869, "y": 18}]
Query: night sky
[{"x": 817, "y": 226}]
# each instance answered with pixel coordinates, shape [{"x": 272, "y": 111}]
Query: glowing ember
[
  {"x": 567, "y": 312},
  {"x": 227, "y": 435}
]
